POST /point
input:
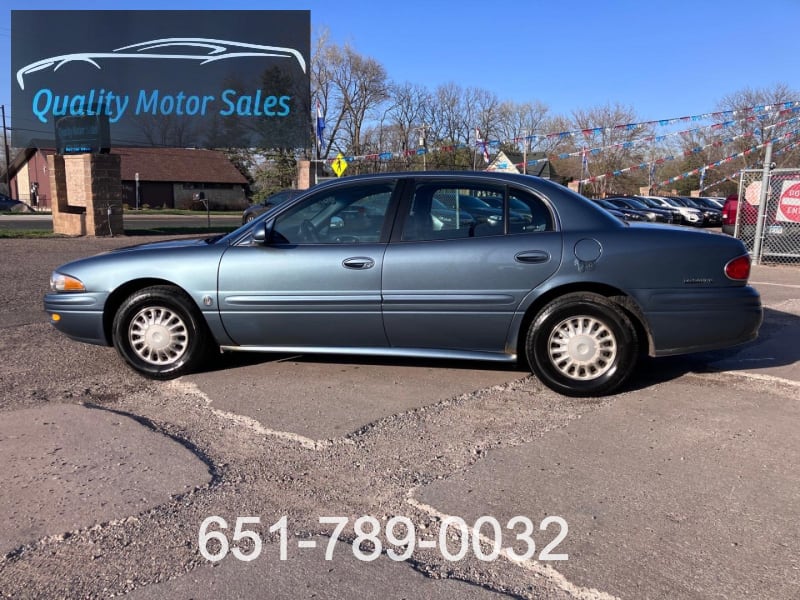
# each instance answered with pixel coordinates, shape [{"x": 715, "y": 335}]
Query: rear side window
[
  {"x": 442, "y": 211},
  {"x": 527, "y": 213}
]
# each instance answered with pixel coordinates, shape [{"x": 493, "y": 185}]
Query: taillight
[{"x": 739, "y": 268}]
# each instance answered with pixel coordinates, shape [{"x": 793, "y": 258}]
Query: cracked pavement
[{"x": 685, "y": 485}]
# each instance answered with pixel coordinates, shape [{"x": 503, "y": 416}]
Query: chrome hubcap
[
  {"x": 582, "y": 348},
  {"x": 158, "y": 335}
]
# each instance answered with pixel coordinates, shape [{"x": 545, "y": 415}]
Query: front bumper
[{"x": 78, "y": 315}]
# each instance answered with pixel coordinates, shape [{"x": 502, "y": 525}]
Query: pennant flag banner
[
  {"x": 697, "y": 150},
  {"x": 660, "y": 138},
  {"x": 725, "y": 160},
  {"x": 751, "y": 114},
  {"x": 732, "y": 177}
]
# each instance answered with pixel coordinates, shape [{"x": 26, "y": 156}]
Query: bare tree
[
  {"x": 448, "y": 117},
  {"x": 487, "y": 108},
  {"x": 753, "y": 125},
  {"x": 518, "y": 122},
  {"x": 323, "y": 90},
  {"x": 616, "y": 148},
  {"x": 745, "y": 120},
  {"x": 407, "y": 114},
  {"x": 167, "y": 131},
  {"x": 360, "y": 85}
]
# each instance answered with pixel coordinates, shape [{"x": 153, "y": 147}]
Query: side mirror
[
  {"x": 337, "y": 223},
  {"x": 263, "y": 232}
]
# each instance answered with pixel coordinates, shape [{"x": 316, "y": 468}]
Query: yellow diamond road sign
[{"x": 339, "y": 165}]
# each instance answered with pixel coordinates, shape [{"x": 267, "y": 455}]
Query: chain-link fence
[{"x": 776, "y": 239}]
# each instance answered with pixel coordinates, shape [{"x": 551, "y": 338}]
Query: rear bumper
[
  {"x": 78, "y": 316},
  {"x": 684, "y": 321}
]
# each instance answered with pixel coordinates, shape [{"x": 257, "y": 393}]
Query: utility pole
[
  {"x": 763, "y": 198},
  {"x": 524, "y": 151},
  {"x": 422, "y": 145},
  {"x": 5, "y": 149}
]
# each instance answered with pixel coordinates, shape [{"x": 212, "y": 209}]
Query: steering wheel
[{"x": 308, "y": 231}]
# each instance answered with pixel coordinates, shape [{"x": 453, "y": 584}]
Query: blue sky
[{"x": 664, "y": 59}]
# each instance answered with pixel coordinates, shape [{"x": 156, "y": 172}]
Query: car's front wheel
[
  {"x": 582, "y": 344},
  {"x": 158, "y": 331}
]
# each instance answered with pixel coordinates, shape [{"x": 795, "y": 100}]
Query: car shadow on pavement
[
  {"x": 232, "y": 360},
  {"x": 776, "y": 346}
]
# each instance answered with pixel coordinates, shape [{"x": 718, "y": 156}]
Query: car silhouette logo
[{"x": 203, "y": 50}]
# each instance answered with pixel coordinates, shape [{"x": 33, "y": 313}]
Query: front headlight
[{"x": 65, "y": 283}]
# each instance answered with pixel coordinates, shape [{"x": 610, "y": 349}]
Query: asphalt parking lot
[{"x": 686, "y": 485}]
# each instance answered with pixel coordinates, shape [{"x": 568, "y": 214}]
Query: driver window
[{"x": 345, "y": 215}]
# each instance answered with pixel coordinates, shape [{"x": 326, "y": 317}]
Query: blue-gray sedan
[{"x": 366, "y": 265}]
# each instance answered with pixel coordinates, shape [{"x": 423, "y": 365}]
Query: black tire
[
  {"x": 159, "y": 332},
  {"x": 582, "y": 344}
]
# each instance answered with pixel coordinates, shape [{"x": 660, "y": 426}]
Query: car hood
[
  {"x": 190, "y": 264},
  {"x": 168, "y": 244}
]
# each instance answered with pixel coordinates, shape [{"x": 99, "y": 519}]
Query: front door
[{"x": 317, "y": 281}]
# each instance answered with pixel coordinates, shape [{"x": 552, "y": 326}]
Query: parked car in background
[
  {"x": 445, "y": 218},
  {"x": 251, "y": 212},
  {"x": 716, "y": 201},
  {"x": 712, "y": 216},
  {"x": 659, "y": 215},
  {"x": 626, "y": 214},
  {"x": 8, "y": 204},
  {"x": 689, "y": 215},
  {"x": 677, "y": 216},
  {"x": 780, "y": 235},
  {"x": 480, "y": 210},
  {"x": 517, "y": 211},
  {"x": 729, "y": 215},
  {"x": 358, "y": 266},
  {"x": 704, "y": 202}
]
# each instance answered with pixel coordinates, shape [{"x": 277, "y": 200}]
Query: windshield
[
  {"x": 693, "y": 203},
  {"x": 636, "y": 203},
  {"x": 652, "y": 203}
]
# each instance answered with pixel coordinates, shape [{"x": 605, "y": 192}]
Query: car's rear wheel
[
  {"x": 582, "y": 344},
  {"x": 159, "y": 332}
]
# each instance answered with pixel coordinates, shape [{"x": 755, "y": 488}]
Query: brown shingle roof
[{"x": 177, "y": 165}]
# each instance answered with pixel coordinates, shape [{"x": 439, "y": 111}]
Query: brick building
[{"x": 167, "y": 178}]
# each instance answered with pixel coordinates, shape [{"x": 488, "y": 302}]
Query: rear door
[{"x": 457, "y": 285}]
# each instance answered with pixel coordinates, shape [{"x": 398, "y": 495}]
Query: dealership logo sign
[{"x": 201, "y": 91}]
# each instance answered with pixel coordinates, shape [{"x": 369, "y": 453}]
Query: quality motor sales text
[
  {"x": 46, "y": 104},
  {"x": 398, "y": 538}
]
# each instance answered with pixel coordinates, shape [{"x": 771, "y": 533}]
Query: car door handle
[
  {"x": 358, "y": 262},
  {"x": 532, "y": 256}
]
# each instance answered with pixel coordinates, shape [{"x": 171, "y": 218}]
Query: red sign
[{"x": 789, "y": 204}]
